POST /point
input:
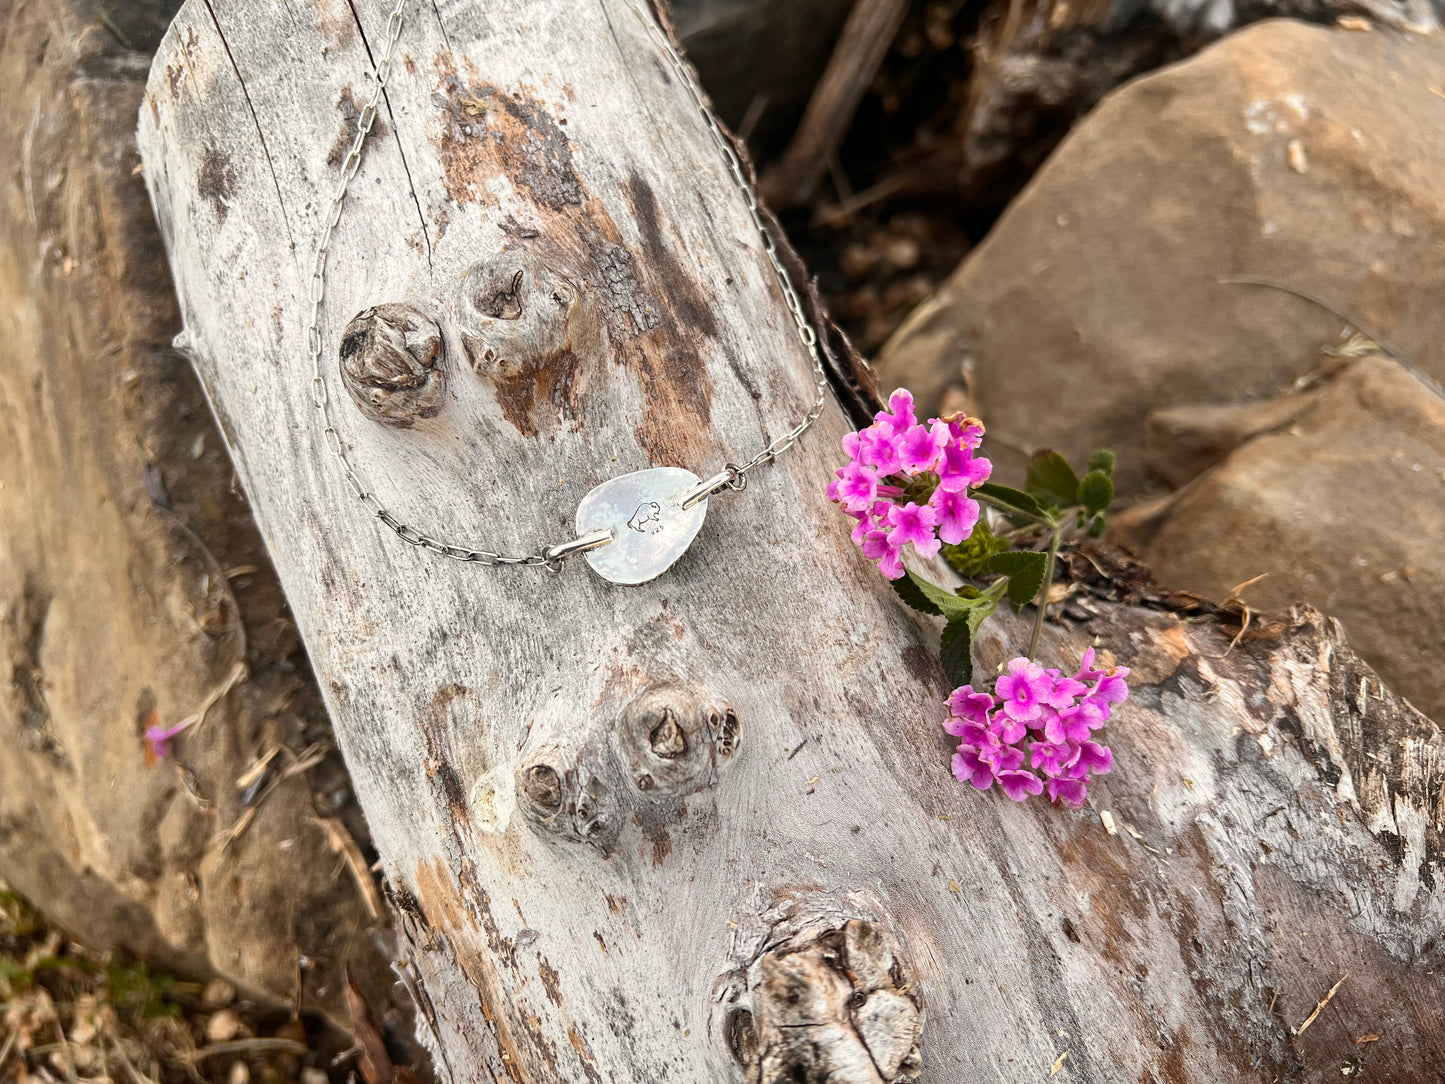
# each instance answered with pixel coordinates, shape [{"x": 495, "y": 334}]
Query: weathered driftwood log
[
  {"x": 704, "y": 829},
  {"x": 134, "y": 588}
]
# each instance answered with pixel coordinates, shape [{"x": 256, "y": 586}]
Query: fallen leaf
[{"x": 1058, "y": 1063}]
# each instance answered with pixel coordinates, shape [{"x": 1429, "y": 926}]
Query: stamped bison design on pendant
[
  {"x": 647, "y": 519},
  {"x": 650, "y": 528}
]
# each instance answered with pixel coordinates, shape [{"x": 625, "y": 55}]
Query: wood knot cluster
[
  {"x": 672, "y": 740},
  {"x": 835, "y": 1006},
  {"x": 667, "y": 743},
  {"x": 393, "y": 364}
]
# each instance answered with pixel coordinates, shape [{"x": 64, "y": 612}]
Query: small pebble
[
  {"x": 1297, "y": 160},
  {"x": 314, "y": 1076},
  {"x": 240, "y": 1073},
  {"x": 218, "y": 992},
  {"x": 223, "y": 1026}
]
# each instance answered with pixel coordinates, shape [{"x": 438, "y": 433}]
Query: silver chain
[{"x": 734, "y": 476}]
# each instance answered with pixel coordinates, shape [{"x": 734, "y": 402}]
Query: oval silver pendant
[{"x": 650, "y": 528}]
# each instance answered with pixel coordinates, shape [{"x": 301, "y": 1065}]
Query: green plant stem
[{"x": 1053, "y": 553}]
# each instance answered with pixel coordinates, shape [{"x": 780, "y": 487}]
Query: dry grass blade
[
  {"x": 247, "y": 1046},
  {"x": 136, "y": 1074},
  {"x": 341, "y": 841},
  {"x": 231, "y": 680},
  {"x": 311, "y": 756},
  {"x": 1235, "y": 598},
  {"x": 9, "y": 1046}
]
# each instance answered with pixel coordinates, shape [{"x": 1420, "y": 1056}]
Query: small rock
[
  {"x": 240, "y": 1073},
  {"x": 1297, "y": 160},
  {"x": 1341, "y": 501},
  {"x": 223, "y": 1026},
  {"x": 314, "y": 1076},
  {"x": 218, "y": 993}
]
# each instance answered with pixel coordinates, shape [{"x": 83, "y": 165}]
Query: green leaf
[
  {"x": 908, "y": 590},
  {"x": 957, "y": 652},
  {"x": 949, "y": 604},
  {"x": 1051, "y": 479},
  {"x": 1015, "y": 503},
  {"x": 956, "y": 649},
  {"x": 1097, "y": 527},
  {"x": 1025, "y": 572},
  {"x": 1102, "y": 460},
  {"x": 1096, "y": 491}
]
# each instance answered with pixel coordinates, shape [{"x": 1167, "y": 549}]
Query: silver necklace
[{"x": 631, "y": 528}]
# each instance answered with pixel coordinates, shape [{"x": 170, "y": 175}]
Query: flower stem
[{"x": 1053, "y": 553}]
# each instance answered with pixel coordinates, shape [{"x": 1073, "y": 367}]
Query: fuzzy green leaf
[
  {"x": 1051, "y": 479},
  {"x": 1025, "y": 572},
  {"x": 1102, "y": 460},
  {"x": 908, "y": 590},
  {"x": 949, "y": 605},
  {"x": 958, "y": 635},
  {"x": 1096, "y": 491},
  {"x": 957, "y": 651},
  {"x": 1015, "y": 503}
]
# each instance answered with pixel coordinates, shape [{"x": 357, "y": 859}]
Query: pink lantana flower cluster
[
  {"x": 1054, "y": 716},
  {"x": 908, "y": 481}
]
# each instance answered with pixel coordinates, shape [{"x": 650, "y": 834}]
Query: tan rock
[
  {"x": 1341, "y": 504},
  {"x": 1096, "y": 297},
  {"x": 132, "y": 579},
  {"x": 223, "y": 1026}
]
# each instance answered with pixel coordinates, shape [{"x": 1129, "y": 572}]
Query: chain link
[{"x": 735, "y": 475}]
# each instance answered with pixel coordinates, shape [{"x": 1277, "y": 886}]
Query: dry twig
[
  {"x": 871, "y": 27},
  {"x": 1310, "y": 1019}
]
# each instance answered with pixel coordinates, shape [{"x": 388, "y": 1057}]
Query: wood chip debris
[
  {"x": 1310, "y": 1019},
  {"x": 1107, "y": 819},
  {"x": 1367, "y": 1039},
  {"x": 1297, "y": 159},
  {"x": 1138, "y": 838},
  {"x": 1354, "y": 22},
  {"x": 1058, "y": 1064}
]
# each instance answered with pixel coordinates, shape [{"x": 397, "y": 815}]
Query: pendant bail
[
  {"x": 554, "y": 556},
  {"x": 730, "y": 477}
]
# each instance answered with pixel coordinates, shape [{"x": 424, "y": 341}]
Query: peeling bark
[{"x": 705, "y": 829}]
